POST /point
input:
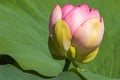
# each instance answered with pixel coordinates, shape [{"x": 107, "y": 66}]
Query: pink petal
[
  {"x": 66, "y": 9},
  {"x": 101, "y": 32},
  {"x": 88, "y": 36},
  {"x": 94, "y": 13},
  {"x": 55, "y": 16},
  {"x": 84, "y": 7},
  {"x": 76, "y": 17}
]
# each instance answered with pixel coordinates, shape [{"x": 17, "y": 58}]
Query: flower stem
[
  {"x": 67, "y": 64},
  {"x": 78, "y": 73},
  {"x": 77, "y": 67},
  {"x": 77, "y": 70}
]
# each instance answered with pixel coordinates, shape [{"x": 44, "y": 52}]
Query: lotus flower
[{"x": 75, "y": 32}]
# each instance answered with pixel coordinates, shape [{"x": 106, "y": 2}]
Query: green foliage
[
  {"x": 9, "y": 72},
  {"x": 24, "y": 37}
]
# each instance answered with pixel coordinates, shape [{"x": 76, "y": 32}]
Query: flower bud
[{"x": 75, "y": 32}]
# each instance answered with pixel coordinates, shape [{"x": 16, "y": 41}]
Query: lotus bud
[{"x": 75, "y": 32}]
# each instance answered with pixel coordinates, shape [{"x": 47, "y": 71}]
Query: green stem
[
  {"x": 78, "y": 69},
  {"x": 67, "y": 64},
  {"x": 80, "y": 75}
]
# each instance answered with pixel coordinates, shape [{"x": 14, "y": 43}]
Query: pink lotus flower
[{"x": 85, "y": 26}]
